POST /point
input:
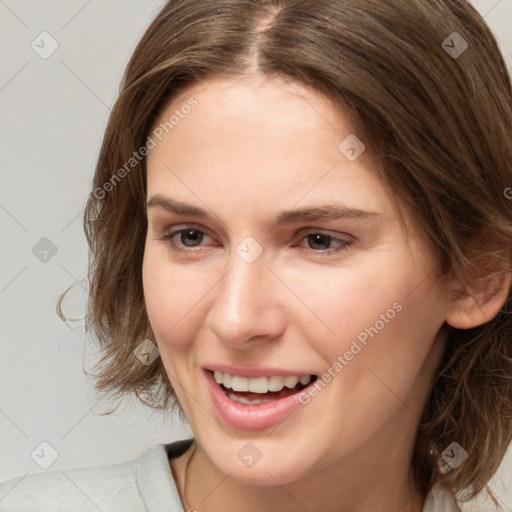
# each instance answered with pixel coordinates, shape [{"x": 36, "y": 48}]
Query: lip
[
  {"x": 250, "y": 417},
  {"x": 255, "y": 372}
]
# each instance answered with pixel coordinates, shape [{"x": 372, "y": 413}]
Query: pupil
[
  {"x": 321, "y": 239},
  {"x": 192, "y": 234}
]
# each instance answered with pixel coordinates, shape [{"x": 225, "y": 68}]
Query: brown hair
[{"x": 439, "y": 124}]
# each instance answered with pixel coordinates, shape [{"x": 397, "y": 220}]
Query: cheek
[
  {"x": 171, "y": 299},
  {"x": 343, "y": 302},
  {"x": 379, "y": 316},
  {"x": 384, "y": 330}
]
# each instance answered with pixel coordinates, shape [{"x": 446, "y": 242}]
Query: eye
[
  {"x": 324, "y": 240},
  {"x": 187, "y": 237}
]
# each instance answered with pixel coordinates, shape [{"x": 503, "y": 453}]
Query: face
[{"x": 273, "y": 250}]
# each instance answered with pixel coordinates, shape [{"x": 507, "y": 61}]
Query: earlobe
[{"x": 480, "y": 302}]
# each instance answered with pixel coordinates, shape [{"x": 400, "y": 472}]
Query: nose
[{"x": 246, "y": 304}]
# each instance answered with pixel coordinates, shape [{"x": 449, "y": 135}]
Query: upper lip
[{"x": 255, "y": 372}]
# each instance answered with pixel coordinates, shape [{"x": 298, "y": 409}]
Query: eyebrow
[{"x": 324, "y": 212}]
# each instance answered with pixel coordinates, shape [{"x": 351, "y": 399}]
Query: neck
[{"x": 371, "y": 479}]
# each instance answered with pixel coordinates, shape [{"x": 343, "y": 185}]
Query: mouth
[
  {"x": 260, "y": 390},
  {"x": 257, "y": 400}
]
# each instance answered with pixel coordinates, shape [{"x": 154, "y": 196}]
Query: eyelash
[{"x": 343, "y": 244}]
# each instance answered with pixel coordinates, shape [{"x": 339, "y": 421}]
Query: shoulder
[
  {"x": 140, "y": 484},
  {"x": 83, "y": 488}
]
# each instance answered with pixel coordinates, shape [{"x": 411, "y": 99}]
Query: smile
[
  {"x": 250, "y": 403},
  {"x": 246, "y": 390}
]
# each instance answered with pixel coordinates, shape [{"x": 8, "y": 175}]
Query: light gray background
[{"x": 54, "y": 112}]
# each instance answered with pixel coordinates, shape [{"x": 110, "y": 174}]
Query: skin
[{"x": 250, "y": 149}]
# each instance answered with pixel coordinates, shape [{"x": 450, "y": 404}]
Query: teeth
[
  {"x": 291, "y": 382},
  {"x": 245, "y": 401},
  {"x": 239, "y": 383},
  {"x": 275, "y": 383},
  {"x": 259, "y": 384}
]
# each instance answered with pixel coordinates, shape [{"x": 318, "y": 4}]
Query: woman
[{"x": 301, "y": 238}]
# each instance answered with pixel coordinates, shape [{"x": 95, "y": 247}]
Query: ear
[{"x": 478, "y": 302}]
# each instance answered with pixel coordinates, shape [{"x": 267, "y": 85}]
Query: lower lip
[{"x": 250, "y": 417}]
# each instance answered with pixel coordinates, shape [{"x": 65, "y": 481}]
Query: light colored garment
[{"x": 145, "y": 484}]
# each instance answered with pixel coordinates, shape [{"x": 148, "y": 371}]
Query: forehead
[
  {"x": 259, "y": 146},
  {"x": 271, "y": 111}
]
